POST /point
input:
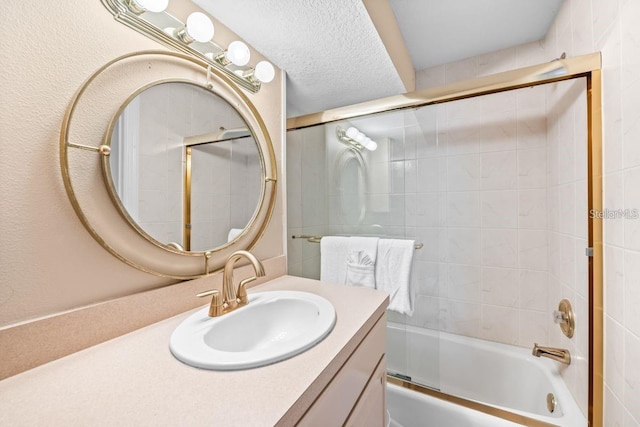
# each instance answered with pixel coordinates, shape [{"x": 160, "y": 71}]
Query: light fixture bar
[
  {"x": 173, "y": 33},
  {"x": 342, "y": 137}
]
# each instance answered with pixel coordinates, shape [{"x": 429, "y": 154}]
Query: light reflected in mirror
[
  {"x": 351, "y": 186},
  {"x": 185, "y": 167}
]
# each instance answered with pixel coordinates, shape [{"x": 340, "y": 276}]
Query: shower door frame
[{"x": 586, "y": 66}]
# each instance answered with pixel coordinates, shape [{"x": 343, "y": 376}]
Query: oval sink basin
[{"x": 274, "y": 326}]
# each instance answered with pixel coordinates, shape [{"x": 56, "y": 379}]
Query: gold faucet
[
  {"x": 232, "y": 299},
  {"x": 558, "y": 354}
]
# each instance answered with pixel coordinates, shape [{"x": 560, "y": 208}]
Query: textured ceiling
[
  {"x": 330, "y": 49},
  {"x": 334, "y": 56}
]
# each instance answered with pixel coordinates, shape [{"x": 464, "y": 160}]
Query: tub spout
[{"x": 558, "y": 354}]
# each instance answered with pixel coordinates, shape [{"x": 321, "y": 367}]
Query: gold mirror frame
[{"x": 128, "y": 243}]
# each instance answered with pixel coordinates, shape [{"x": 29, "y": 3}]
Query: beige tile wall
[
  {"x": 533, "y": 219},
  {"x": 611, "y": 27}
]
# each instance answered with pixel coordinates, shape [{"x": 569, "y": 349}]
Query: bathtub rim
[
  {"x": 570, "y": 412},
  {"x": 449, "y": 399},
  {"x": 473, "y": 405}
]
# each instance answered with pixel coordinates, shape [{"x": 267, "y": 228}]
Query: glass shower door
[{"x": 337, "y": 188}]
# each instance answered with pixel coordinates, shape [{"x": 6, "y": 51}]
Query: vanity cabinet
[{"x": 356, "y": 394}]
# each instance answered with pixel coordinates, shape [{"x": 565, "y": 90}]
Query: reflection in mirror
[
  {"x": 351, "y": 186},
  {"x": 225, "y": 186},
  {"x": 185, "y": 166}
]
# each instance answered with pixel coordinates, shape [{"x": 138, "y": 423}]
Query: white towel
[
  {"x": 233, "y": 233},
  {"x": 333, "y": 259},
  {"x": 360, "y": 270},
  {"x": 361, "y": 261},
  {"x": 368, "y": 245},
  {"x": 393, "y": 271}
]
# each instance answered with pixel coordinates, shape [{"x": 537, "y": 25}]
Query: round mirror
[
  {"x": 187, "y": 159},
  {"x": 184, "y": 167}
]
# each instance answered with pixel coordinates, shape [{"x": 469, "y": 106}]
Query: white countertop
[{"x": 134, "y": 379}]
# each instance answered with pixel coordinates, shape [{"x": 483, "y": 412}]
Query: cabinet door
[
  {"x": 333, "y": 406},
  {"x": 371, "y": 409}
]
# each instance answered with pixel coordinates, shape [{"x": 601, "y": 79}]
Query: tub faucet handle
[
  {"x": 564, "y": 317},
  {"x": 559, "y": 316}
]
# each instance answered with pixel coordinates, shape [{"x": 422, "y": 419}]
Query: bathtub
[
  {"x": 412, "y": 409},
  {"x": 495, "y": 374}
]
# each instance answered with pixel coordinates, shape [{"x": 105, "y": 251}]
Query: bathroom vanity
[{"x": 135, "y": 380}]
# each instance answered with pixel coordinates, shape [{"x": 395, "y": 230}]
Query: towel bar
[{"x": 316, "y": 239}]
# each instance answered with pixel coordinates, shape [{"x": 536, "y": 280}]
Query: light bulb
[
  {"x": 199, "y": 27},
  {"x": 238, "y": 53},
  {"x": 264, "y": 71},
  {"x": 359, "y": 137},
  {"x": 370, "y": 144},
  {"x": 156, "y": 6},
  {"x": 352, "y": 132}
]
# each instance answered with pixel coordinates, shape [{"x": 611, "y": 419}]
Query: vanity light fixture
[
  {"x": 356, "y": 139},
  {"x": 141, "y": 6},
  {"x": 194, "y": 38}
]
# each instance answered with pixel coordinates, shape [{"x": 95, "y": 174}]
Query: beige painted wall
[{"x": 48, "y": 261}]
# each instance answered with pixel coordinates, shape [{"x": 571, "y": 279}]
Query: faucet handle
[
  {"x": 217, "y": 305},
  {"x": 242, "y": 290},
  {"x": 207, "y": 293},
  {"x": 559, "y": 316},
  {"x": 564, "y": 317}
]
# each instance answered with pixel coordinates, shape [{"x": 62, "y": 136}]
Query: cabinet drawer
[{"x": 333, "y": 406}]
